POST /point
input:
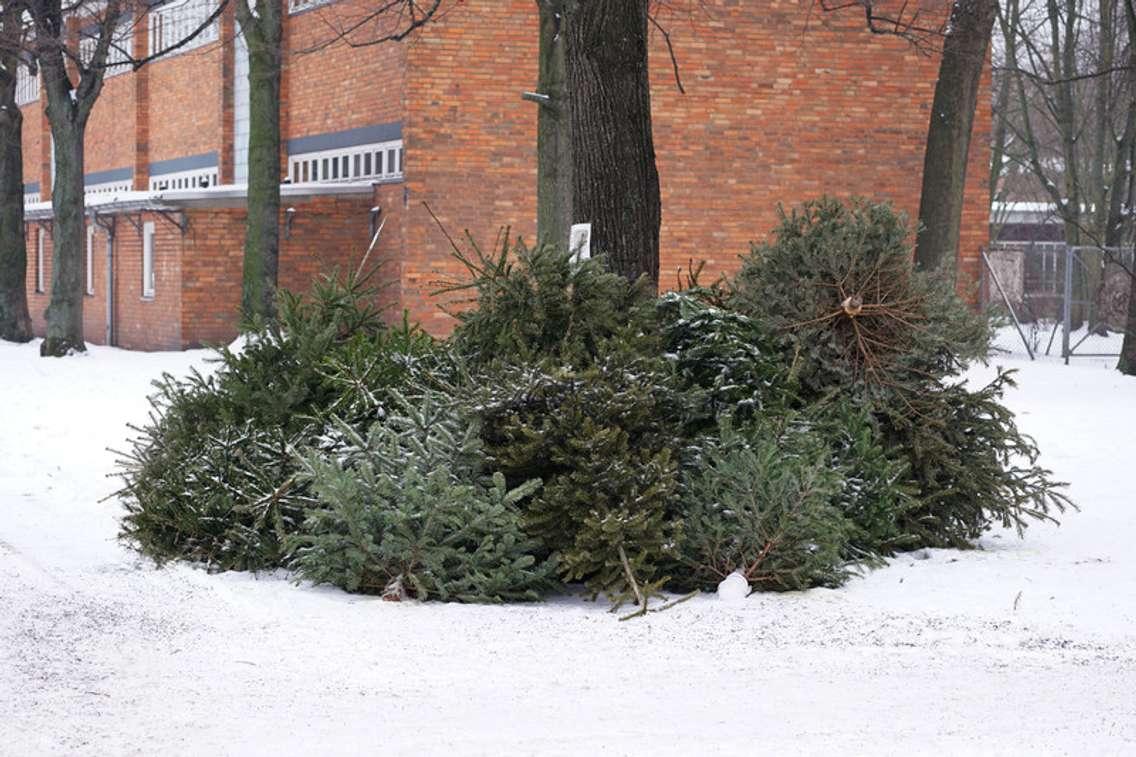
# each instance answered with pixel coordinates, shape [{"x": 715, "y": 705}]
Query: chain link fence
[{"x": 1064, "y": 300}]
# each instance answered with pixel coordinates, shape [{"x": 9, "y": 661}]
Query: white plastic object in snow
[{"x": 734, "y": 588}]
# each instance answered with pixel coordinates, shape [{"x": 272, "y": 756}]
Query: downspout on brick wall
[
  {"x": 109, "y": 228},
  {"x": 110, "y": 288}
]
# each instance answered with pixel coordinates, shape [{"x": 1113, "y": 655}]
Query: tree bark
[
  {"x": 615, "y": 183},
  {"x": 1008, "y": 18},
  {"x": 15, "y": 324},
  {"x": 64, "y": 314},
  {"x": 1127, "y": 362},
  {"x": 264, "y": 34},
  {"x": 948, "y": 136},
  {"x": 553, "y": 136}
]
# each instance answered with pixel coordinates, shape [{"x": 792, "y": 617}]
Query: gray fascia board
[
  {"x": 188, "y": 163},
  {"x": 102, "y": 177},
  {"x": 342, "y": 139}
]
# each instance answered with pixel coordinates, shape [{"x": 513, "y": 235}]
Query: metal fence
[{"x": 1050, "y": 288}]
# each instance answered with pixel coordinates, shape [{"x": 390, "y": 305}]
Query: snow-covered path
[{"x": 1024, "y": 647}]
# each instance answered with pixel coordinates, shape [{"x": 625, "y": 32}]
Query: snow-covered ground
[{"x": 1023, "y": 647}]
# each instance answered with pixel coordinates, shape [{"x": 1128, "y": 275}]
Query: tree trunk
[
  {"x": 68, "y": 110},
  {"x": 948, "y": 136},
  {"x": 615, "y": 183},
  {"x": 1099, "y": 182},
  {"x": 263, "y": 33},
  {"x": 15, "y": 325},
  {"x": 1127, "y": 363},
  {"x": 553, "y": 135},
  {"x": 1001, "y": 129},
  {"x": 64, "y": 312}
]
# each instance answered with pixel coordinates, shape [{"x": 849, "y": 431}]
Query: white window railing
[
  {"x": 174, "y": 21},
  {"x": 198, "y": 179},
  {"x": 27, "y": 86},
  {"x": 119, "y": 54},
  {"x": 105, "y": 187},
  {"x": 382, "y": 160},
  {"x": 31, "y": 198},
  {"x": 295, "y": 6}
]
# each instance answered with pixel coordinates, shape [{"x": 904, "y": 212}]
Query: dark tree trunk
[
  {"x": 64, "y": 314},
  {"x": 553, "y": 134},
  {"x": 615, "y": 184},
  {"x": 15, "y": 325},
  {"x": 948, "y": 136},
  {"x": 1127, "y": 362},
  {"x": 264, "y": 34}
]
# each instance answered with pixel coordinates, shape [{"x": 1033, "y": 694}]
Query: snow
[
  {"x": 1022, "y": 647},
  {"x": 733, "y": 588}
]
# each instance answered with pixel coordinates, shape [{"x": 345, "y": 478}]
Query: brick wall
[
  {"x": 141, "y": 323},
  {"x": 470, "y": 141},
  {"x": 31, "y": 143},
  {"x": 94, "y": 308},
  {"x": 334, "y": 87},
  {"x": 148, "y": 323},
  {"x": 783, "y": 103},
  {"x": 109, "y": 140},
  {"x": 387, "y": 258},
  {"x": 181, "y": 105},
  {"x": 327, "y": 234},
  {"x": 197, "y": 287},
  {"x": 38, "y": 298},
  {"x": 185, "y": 104},
  {"x": 94, "y": 304}
]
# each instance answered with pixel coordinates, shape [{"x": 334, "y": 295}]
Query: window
[
  {"x": 90, "y": 260},
  {"x": 148, "y": 259},
  {"x": 295, "y": 6},
  {"x": 107, "y": 187},
  {"x": 27, "y": 86},
  {"x": 172, "y": 22},
  {"x": 39, "y": 261},
  {"x": 359, "y": 163},
  {"x": 119, "y": 54},
  {"x": 197, "y": 179}
]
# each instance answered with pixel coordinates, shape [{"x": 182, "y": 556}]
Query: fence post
[{"x": 1067, "y": 306}]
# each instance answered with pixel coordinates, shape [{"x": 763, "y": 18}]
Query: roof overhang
[{"x": 220, "y": 196}]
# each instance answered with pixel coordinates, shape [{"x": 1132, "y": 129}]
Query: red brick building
[{"x": 783, "y": 103}]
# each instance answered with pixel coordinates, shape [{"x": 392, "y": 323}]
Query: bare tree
[
  {"x": 1126, "y": 208},
  {"x": 72, "y": 44},
  {"x": 1070, "y": 121},
  {"x": 69, "y": 104},
  {"x": 15, "y": 324}
]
